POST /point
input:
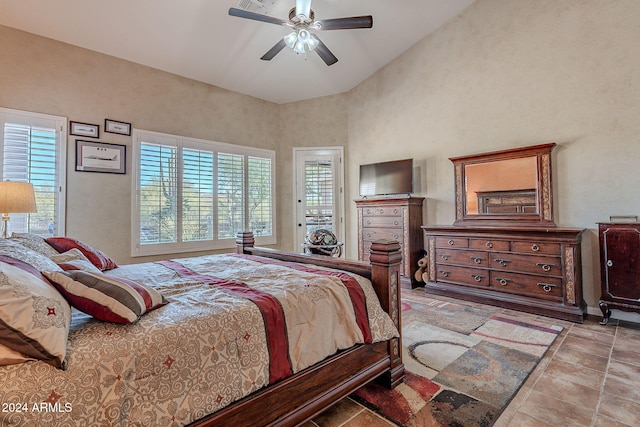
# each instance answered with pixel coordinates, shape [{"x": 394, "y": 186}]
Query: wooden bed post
[
  {"x": 244, "y": 239},
  {"x": 385, "y": 260}
]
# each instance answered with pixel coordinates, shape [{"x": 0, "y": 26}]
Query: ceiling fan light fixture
[
  {"x": 301, "y": 41},
  {"x": 299, "y": 47},
  {"x": 290, "y": 39}
]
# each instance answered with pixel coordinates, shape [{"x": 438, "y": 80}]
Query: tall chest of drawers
[
  {"x": 527, "y": 269},
  {"x": 398, "y": 218}
]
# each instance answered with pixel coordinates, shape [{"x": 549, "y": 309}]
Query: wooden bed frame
[{"x": 308, "y": 393}]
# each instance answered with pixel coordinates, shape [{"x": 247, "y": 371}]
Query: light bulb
[
  {"x": 290, "y": 39},
  {"x": 313, "y": 42},
  {"x": 299, "y": 47},
  {"x": 303, "y": 35}
]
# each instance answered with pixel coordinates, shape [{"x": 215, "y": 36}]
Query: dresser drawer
[
  {"x": 382, "y": 221},
  {"x": 536, "y": 248},
  {"x": 462, "y": 257},
  {"x": 525, "y": 284},
  {"x": 373, "y": 234},
  {"x": 462, "y": 275},
  {"x": 451, "y": 242},
  {"x": 366, "y": 248},
  {"x": 384, "y": 211},
  {"x": 490, "y": 245},
  {"x": 526, "y": 263}
]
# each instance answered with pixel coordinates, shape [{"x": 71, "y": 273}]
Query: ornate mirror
[{"x": 509, "y": 185}]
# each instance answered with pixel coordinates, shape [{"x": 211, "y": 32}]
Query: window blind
[
  {"x": 32, "y": 152},
  {"x": 158, "y": 194},
  {"x": 319, "y": 195},
  {"x": 195, "y": 194}
]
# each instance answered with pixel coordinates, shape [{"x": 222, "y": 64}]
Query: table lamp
[{"x": 15, "y": 197}]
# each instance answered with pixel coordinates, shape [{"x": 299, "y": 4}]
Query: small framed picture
[
  {"x": 84, "y": 129},
  {"x": 113, "y": 126},
  {"x": 94, "y": 156},
  {"x": 623, "y": 218}
]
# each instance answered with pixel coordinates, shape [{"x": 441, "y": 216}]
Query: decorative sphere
[{"x": 321, "y": 237}]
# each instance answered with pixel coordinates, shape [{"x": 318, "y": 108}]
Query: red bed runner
[
  {"x": 272, "y": 313},
  {"x": 355, "y": 291}
]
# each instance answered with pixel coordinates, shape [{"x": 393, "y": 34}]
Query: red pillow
[{"x": 96, "y": 256}]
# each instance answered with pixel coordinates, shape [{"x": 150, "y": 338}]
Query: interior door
[{"x": 318, "y": 192}]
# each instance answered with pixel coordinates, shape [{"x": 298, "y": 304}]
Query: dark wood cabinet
[
  {"x": 619, "y": 267},
  {"x": 536, "y": 270},
  {"x": 396, "y": 218}
]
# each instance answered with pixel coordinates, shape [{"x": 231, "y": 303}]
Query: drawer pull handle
[
  {"x": 450, "y": 242},
  {"x": 395, "y": 222},
  {"x": 489, "y": 244},
  {"x": 444, "y": 273},
  {"x": 381, "y": 211},
  {"x": 545, "y": 267},
  {"x": 535, "y": 248},
  {"x": 503, "y": 282},
  {"x": 503, "y": 262},
  {"x": 477, "y": 277},
  {"x": 444, "y": 256},
  {"x": 368, "y": 221},
  {"x": 477, "y": 260},
  {"x": 395, "y": 236},
  {"x": 369, "y": 234},
  {"x": 395, "y": 210},
  {"x": 547, "y": 287},
  {"x": 609, "y": 263}
]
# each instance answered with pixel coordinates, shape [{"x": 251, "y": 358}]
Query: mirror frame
[{"x": 544, "y": 215}]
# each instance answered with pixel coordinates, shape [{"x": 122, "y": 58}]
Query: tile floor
[{"x": 589, "y": 377}]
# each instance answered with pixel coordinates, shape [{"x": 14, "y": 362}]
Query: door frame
[{"x": 340, "y": 209}]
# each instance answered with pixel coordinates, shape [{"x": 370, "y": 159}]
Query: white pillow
[{"x": 34, "y": 317}]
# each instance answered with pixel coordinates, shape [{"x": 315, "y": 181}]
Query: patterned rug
[{"x": 464, "y": 364}]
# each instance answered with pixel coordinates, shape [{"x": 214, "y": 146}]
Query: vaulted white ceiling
[{"x": 199, "y": 40}]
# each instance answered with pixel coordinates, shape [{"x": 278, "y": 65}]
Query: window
[
  {"x": 34, "y": 150},
  {"x": 194, "y": 195}
]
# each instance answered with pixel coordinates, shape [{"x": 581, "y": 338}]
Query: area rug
[{"x": 464, "y": 363}]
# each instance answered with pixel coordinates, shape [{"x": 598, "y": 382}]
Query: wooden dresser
[
  {"x": 536, "y": 270},
  {"x": 619, "y": 267},
  {"x": 398, "y": 218}
]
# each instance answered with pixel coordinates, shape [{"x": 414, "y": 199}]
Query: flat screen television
[{"x": 395, "y": 177}]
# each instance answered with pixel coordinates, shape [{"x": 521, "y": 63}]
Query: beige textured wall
[
  {"x": 319, "y": 122},
  {"x": 42, "y": 75},
  {"x": 514, "y": 73}
]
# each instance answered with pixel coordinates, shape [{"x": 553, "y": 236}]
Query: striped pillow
[
  {"x": 108, "y": 298},
  {"x": 96, "y": 256},
  {"x": 74, "y": 259}
]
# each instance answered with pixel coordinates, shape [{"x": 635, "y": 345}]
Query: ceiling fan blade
[
  {"x": 324, "y": 53},
  {"x": 303, "y": 7},
  {"x": 256, "y": 16},
  {"x": 274, "y": 51},
  {"x": 346, "y": 23}
]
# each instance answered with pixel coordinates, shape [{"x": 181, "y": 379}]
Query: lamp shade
[{"x": 17, "y": 197}]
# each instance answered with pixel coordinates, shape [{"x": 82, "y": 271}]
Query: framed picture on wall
[
  {"x": 94, "y": 156},
  {"x": 84, "y": 129},
  {"x": 113, "y": 126}
]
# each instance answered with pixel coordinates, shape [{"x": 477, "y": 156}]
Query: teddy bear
[{"x": 421, "y": 274}]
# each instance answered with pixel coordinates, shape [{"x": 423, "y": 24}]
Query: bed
[{"x": 282, "y": 355}]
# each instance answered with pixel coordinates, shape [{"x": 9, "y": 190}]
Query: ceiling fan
[{"x": 302, "y": 20}]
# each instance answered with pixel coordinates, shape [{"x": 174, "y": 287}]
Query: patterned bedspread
[{"x": 233, "y": 325}]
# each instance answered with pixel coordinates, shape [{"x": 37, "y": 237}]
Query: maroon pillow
[{"x": 96, "y": 256}]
